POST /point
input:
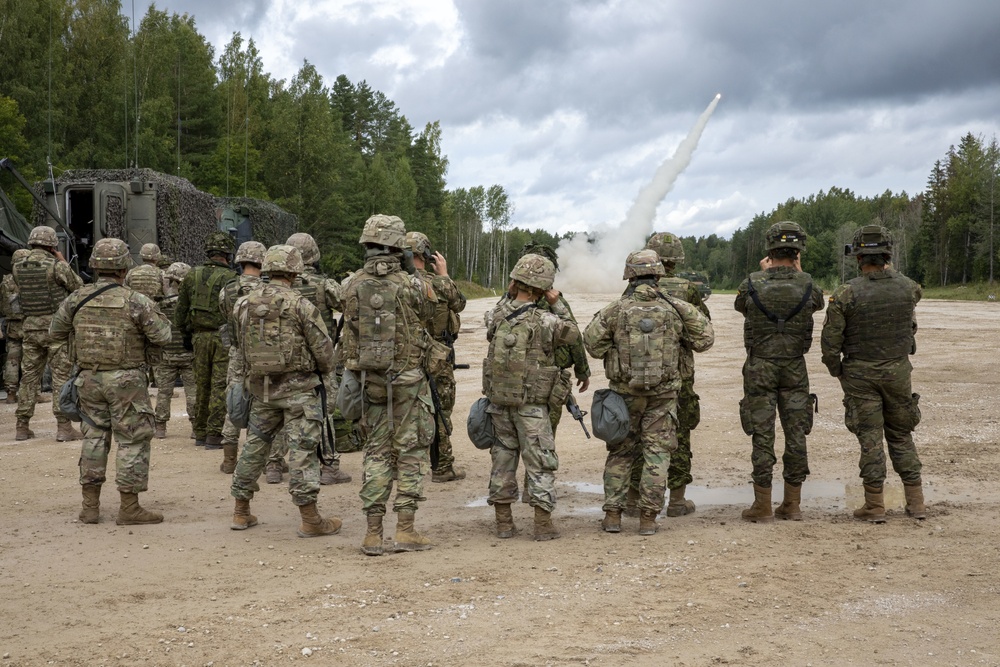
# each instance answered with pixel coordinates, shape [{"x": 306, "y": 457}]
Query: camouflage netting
[{"x": 270, "y": 223}]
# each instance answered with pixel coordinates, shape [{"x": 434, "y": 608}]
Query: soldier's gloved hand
[{"x": 188, "y": 343}]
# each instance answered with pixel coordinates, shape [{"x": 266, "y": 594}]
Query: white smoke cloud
[{"x": 593, "y": 262}]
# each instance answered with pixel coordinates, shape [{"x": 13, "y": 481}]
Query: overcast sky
[{"x": 572, "y": 104}]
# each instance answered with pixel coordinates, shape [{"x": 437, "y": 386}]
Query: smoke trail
[{"x": 592, "y": 261}]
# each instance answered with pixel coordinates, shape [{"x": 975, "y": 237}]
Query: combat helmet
[
  {"x": 533, "y": 248},
  {"x": 283, "y": 259},
  {"x": 418, "y": 243},
  {"x": 306, "y": 245},
  {"x": 872, "y": 240},
  {"x": 384, "y": 230},
  {"x": 535, "y": 271},
  {"x": 251, "y": 252},
  {"x": 177, "y": 271},
  {"x": 43, "y": 236},
  {"x": 645, "y": 262},
  {"x": 150, "y": 251},
  {"x": 667, "y": 246},
  {"x": 219, "y": 243},
  {"x": 785, "y": 235},
  {"x": 110, "y": 254}
]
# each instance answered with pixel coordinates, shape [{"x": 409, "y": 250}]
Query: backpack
[
  {"x": 647, "y": 353},
  {"x": 264, "y": 351},
  {"x": 378, "y": 308},
  {"x": 505, "y": 375}
]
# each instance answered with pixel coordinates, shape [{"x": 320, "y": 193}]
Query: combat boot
[
  {"x": 213, "y": 442},
  {"x": 372, "y": 544},
  {"x": 544, "y": 530},
  {"x": 612, "y": 522},
  {"x": 12, "y": 396},
  {"x": 647, "y": 522},
  {"x": 161, "y": 431},
  {"x": 313, "y": 525},
  {"x": 22, "y": 432},
  {"x": 131, "y": 514},
  {"x": 632, "y": 503},
  {"x": 272, "y": 474},
  {"x": 449, "y": 474},
  {"x": 65, "y": 431},
  {"x": 407, "y": 538},
  {"x": 760, "y": 511},
  {"x": 505, "y": 521},
  {"x": 91, "y": 509},
  {"x": 242, "y": 519},
  {"x": 333, "y": 475},
  {"x": 874, "y": 507},
  {"x": 789, "y": 507},
  {"x": 228, "y": 465},
  {"x": 915, "y": 500},
  {"x": 678, "y": 505}
]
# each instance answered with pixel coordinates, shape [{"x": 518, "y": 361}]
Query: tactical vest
[
  {"x": 647, "y": 343},
  {"x": 104, "y": 336},
  {"x": 310, "y": 285},
  {"x": 780, "y": 293},
  {"x": 146, "y": 279},
  {"x": 674, "y": 286},
  {"x": 518, "y": 369},
  {"x": 208, "y": 280},
  {"x": 175, "y": 348},
  {"x": 272, "y": 343},
  {"x": 881, "y": 326},
  {"x": 36, "y": 283}
]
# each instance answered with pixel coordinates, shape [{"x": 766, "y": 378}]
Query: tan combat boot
[
  {"x": 874, "y": 507},
  {"x": 313, "y": 525},
  {"x": 632, "y": 503},
  {"x": 505, "y": 521},
  {"x": 372, "y": 544},
  {"x": 161, "y": 431},
  {"x": 65, "y": 431},
  {"x": 789, "y": 507},
  {"x": 612, "y": 522},
  {"x": 272, "y": 474},
  {"x": 544, "y": 530},
  {"x": 12, "y": 396},
  {"x": 228, "y": 465},
  {"x": 760, "y": 511},
  {"x": 333, "y": 475},
  {"x": 450, "y": 474},
  {"x": 22, "y": 432},
  {"x": 407, "y": 538},
  {"x": 242, "y": 519},
  {"x": 915, "y": 500},
  {"x": 647, "y": 522},
  {"x": 131, "y": 514},
  {"x": 91, "y": 503},
  {"x": 678, "y": 505}
]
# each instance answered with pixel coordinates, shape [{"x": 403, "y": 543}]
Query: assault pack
[
  {"x": 269, "y": 345},
  {"x": 648, "y": 352},
  {"x": 378, "y": 308},
  {"x": 518, "y": 369}
]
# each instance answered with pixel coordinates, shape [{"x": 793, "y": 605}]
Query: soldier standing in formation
[
  {"x": 384, "y": 346},
  {"x": 442, "y": 303},
  {"x": 640, "y": 337},
  {"x": 44, "y": 280},
  {"x": 147, "y": 278},
  {"x": 175, "y": 360},
  {"x": 867, "y": 339},
  {"x": 199, "y": 319},
  {"x": 778, "y": 303},
  {"x": 10, "y": 310},
  {"x": 250, "y": 259},
  {"x": 109, "y": 327},
  {"x": 519, "y": 374}
]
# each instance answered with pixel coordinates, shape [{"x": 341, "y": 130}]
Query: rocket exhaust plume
[{"x": 595, "y": 267}]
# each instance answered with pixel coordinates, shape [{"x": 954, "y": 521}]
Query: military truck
[{"x": 699, "y": 280}]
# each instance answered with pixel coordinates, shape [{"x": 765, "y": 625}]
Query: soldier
[
  {"x": 867, "y": 338},
  {"x": 43, "y": 280},
  {"x": 250, "y": 258},
  {"x": 147, "y": 278},
  {"x": 111, "y": 327},
  {"x": 442, "y": 303},
  {"x": 519, "y": 374},
  {"x": 284, "y": 345},
  {"x": 199, "y": 319},
  {"x": 383, "y": 345},
  {"x": 175, "y": 361},
  {"x": 778, "y": 303},
  {"x": 640, "y": 337},
  {"x": 10, "y": 310}
]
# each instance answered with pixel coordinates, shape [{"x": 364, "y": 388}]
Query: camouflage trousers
[
  {"x": 12, "y": 364},
  {"x": 301, "y": 417},
  {"x": 650, "y": 441},
  {"x": 446, "y": 394},
  {"x": 166, "y": 374},
  {"x": 403, "y": 448},
  {"x": 39, "y": 349},
  {"x": 211, "y": 363},
  {"x": 688, "y": 418},
  {"x": 117, "y": 402},
  {"x": 523, "y": 432},
  {"x": 279, "y": 448},
  {"x": 873, "y": 407},
  {"x": 234, "y": 375},
  {"x": 781, "y": 384}
]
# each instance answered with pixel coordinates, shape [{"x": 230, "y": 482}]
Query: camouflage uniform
[
  {"x": 614, "y": 335},
  {"x": 146, "y": 279},
  {"x": 43, "y": 283},
  {"x": 10, "y": 310},
  {"x": 175, "y": 361},
  {"x": 234, "y": 289}
]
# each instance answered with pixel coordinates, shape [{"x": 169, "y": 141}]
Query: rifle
[
  {"x": 449, "y": 340},
  {"x": 439, "y": 420},
  {"x": 578, "y": 414}
]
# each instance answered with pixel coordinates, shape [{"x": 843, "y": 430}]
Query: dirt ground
[{"x": 708, "y": 589}]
